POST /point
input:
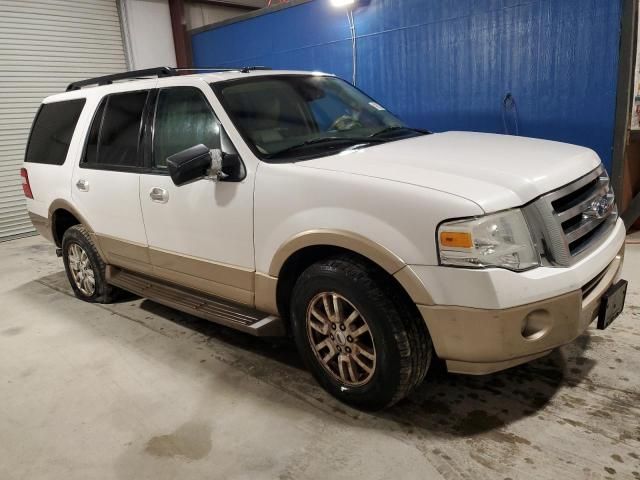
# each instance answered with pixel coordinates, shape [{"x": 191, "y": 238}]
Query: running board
[{"x": 198, "y": 304}]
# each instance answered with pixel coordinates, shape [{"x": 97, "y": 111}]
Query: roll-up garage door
[{"x": 45, "y": 45}]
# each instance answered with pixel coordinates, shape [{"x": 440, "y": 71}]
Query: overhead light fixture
[{"x": 342, "y": 3}]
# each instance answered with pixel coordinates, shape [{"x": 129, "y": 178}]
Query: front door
[
  {"x": 200, "y": 234},
  {"x": 105, "y": 185}
]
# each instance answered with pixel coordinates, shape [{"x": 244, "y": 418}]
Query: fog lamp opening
[{"x": 536, "y": 324}]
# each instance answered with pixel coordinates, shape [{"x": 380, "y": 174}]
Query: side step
[{"x": 198, "y": 304}]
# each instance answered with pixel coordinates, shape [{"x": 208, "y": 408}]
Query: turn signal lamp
[{"x": 456, "y": 239}]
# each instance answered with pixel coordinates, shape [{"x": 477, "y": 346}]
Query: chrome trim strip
[
  {"x": 582, "y": 206},
  {"x": 578, "y": 184},
  {"x": 583, "y": 228}
]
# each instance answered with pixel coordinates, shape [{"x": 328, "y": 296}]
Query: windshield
[{"x": 299, "y": 116}]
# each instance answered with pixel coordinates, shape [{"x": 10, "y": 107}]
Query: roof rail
[
  {"x": 255, "y": 67},
  {"x": 222, "y": 69},
  {"x": 108, "y": 79},
  {"x": 154, "y": 72}
]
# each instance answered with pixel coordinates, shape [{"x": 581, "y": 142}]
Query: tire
[
  {"x": 77, "y": 244},
  {"x": 395, "y": 333}
]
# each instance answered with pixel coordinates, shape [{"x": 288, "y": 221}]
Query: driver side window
[{"x": 183, "y": 119}]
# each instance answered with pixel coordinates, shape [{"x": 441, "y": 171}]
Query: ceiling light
[{"x": 342, "y": 3}]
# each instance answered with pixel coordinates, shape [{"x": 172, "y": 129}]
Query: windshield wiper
[
  {"x": 386, "y": 130},
  {"x": 322, "y": 140}
]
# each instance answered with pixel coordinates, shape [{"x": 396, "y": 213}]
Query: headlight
[{"x": 497, "y": 240}]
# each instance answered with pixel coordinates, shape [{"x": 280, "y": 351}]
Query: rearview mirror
[{"x": 193, "y": 164}]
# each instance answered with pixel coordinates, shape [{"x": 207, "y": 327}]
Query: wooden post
[{"x": 181, "y": 40}]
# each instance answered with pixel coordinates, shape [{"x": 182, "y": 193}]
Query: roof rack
[
  {"x": 223, "y": 69},
  {"x": 154, "y": 72},
  {"x": 109, "y": 79}
]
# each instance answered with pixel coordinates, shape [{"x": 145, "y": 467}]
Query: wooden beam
[
  {"x": 632, "y": 213},
  {"x": 181, "y": 40},
  {"x": 625, "y": 91},
  {"x": 222, "y": 3}
]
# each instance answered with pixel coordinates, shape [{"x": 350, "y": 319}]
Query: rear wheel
[
  {"x": 85, "y": 268},
  {"x": 359, "y": 338},
  {"x": 81, "y": 270}
]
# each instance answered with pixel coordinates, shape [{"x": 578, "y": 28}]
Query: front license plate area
[{"x": 612, "y": 304}]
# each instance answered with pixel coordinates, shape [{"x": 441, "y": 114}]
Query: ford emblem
[{"x": 599, "y": 208}]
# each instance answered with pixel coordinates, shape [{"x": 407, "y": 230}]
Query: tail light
[{"x": 26, "y": 188}]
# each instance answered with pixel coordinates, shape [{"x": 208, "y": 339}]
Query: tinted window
[
  {"x": 183, "y": 119},
  {"x": 115, "y": 132},
  {"x": 52, "y": 131},
  {"x": 295, "y": 115}
]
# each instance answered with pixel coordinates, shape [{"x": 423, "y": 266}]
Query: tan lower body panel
[
  {"x": 42, "y": 225},
  {"x": 204, "y": 285},
  {"x": 129, "y": 255},
  {"x": 196, "y": 267},
  {"x": 265, "y": 293},
  {"x": 476, "y": 368},
  {"x": 224, "y": 281},
  {"x": 477, "y": 341},
  {"x": 477, "y": 336}
]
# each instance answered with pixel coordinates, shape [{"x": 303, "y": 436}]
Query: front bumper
[{"x": 485, "y": 340}]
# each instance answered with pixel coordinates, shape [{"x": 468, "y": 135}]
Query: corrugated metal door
[{"x": 45, "y": 45}]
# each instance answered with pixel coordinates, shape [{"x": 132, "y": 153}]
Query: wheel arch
[
  {"x": 306, "y": 248},
  {"x": 64, "y": 215}
]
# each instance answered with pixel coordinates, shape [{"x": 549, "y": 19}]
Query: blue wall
[{"x": 448, "y": 64}]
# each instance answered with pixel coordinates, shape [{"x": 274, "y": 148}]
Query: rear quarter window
[{"x": 52, "y": 130}]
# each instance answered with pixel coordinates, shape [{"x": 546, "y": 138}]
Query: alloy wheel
[
  {"x": 81, "y": 270},
  {"x": 341, "y": 339}
]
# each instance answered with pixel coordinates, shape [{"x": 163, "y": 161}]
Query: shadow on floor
[
  {"x": 445, "y": 404},
  {"x": 281, "y": 350},
  {"x": 449, "y": 404}
]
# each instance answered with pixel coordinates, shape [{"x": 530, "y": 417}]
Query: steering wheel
[{"x": 345, "y": 122}]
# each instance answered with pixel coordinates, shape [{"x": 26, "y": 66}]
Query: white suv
[{"x": 291, "y": 203}]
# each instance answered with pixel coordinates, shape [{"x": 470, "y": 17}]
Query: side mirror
[
  {"x": 193, "y": 164},
  {"x": 200, "y": 162}
]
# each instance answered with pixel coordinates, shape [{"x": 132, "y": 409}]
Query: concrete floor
[{"x": 135, "y": 391}]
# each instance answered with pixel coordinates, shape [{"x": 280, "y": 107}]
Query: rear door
[{"x": 106, "y": 183}]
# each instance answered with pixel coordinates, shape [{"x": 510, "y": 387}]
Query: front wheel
[{"x": 357, "y": 336}]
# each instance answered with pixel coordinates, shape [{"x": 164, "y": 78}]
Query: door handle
[
  {"x": 82, "y": 185},
  {"x": 159, "y": 195}
]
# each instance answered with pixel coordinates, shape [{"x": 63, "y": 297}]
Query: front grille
[
  {"x": 570, "y": 222},
  {"x": 576, "y": 197}
]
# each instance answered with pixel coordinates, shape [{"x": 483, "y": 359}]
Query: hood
[{"x": 494, "y": 171}]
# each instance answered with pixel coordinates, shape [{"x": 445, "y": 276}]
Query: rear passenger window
[
  {"x": 114, "y": 137},
  {"x": 52, "y": 131}
]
